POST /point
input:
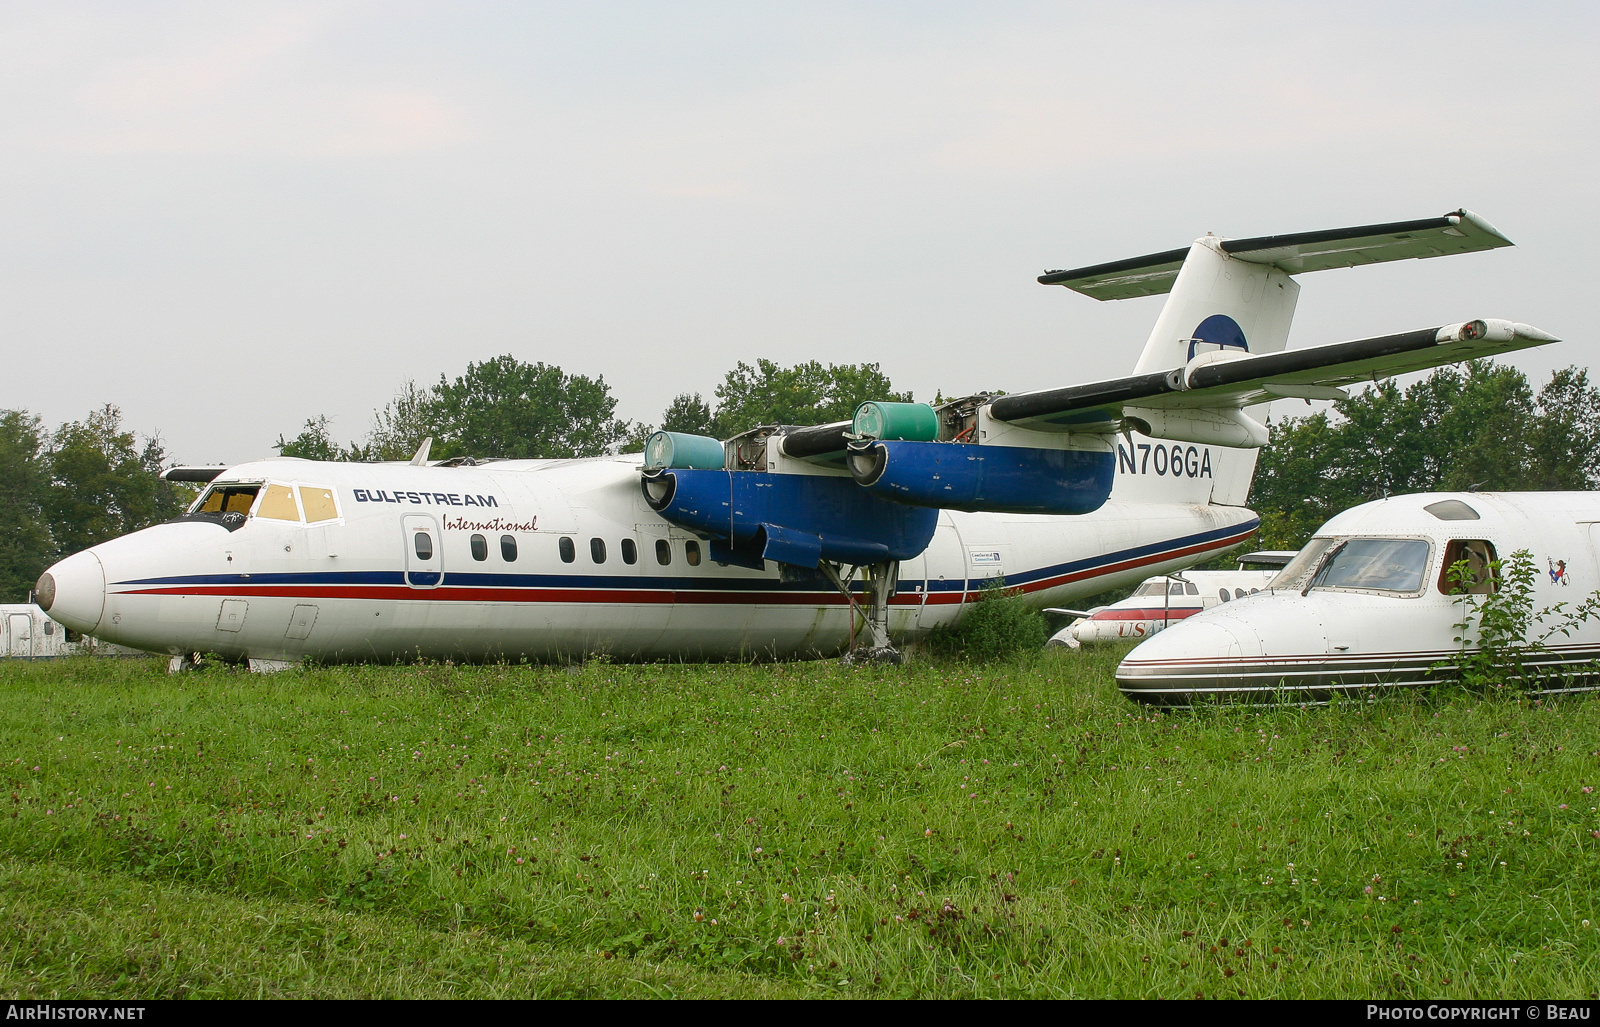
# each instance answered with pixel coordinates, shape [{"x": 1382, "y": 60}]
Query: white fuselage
[
  {"x": 561, "y": 558},
  {"x": 1161, "y": 602},
  {"x": 1386, "y": 616},
  {"x": 28, "y": 633}
]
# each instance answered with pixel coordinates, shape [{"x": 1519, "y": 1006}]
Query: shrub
[
  {"x": 998, "y": 627},
  {"x": 1502, "y": 637}
]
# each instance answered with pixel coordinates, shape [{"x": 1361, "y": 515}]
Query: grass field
[{"x": 782, "y": 830}]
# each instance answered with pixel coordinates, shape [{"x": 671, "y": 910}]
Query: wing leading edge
[{"x": 1224, "y": 380}]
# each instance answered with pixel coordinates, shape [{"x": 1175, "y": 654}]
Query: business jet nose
[
  {"x": 74, "y": 592},
  {"x": 1199, "y": 638}
]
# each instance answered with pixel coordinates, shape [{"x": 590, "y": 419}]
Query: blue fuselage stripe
[{"x": 478, "y": 579}]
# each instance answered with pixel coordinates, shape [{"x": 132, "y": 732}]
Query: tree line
[
  {"x": 65, "y": 490},
  {"x": 507, "y": 408},
  {"x": 1481, "y": 425}
]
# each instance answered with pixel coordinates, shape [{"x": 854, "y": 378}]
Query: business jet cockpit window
[
  {"x": 1394, "y": 565},
  {"x": 1297, "y": 571}
]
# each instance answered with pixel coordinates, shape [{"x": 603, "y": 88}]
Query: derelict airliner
[
  {"x": 1164, "y": 600},
  {"x": 748, "y": 547},
  {"x": 1371, "y": 603}
]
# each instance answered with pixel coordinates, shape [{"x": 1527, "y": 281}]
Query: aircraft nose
[{"x": 74, "y": 592}]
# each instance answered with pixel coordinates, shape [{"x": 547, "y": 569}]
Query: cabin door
[
  {"x": 945, "y": 569},
  {"x": 20, "y": 640},
  {"x": 424, "y": 554}
]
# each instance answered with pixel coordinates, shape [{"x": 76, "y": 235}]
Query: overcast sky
[{"x": 227, "y": 218}]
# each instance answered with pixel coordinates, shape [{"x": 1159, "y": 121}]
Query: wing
[{"x": 1223, "y": 380}]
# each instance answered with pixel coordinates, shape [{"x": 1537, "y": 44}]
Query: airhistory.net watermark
[{"x": 70, "y": 1011}]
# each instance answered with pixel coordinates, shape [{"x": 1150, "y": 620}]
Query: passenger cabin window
[
  {"x": 508, "y": 548},
  {"x": 630, "y": 552},
  {"x": 597, "y": 550},
  {"x": 1375, "y": 565},
  {"x": 318, "y": 504},
  {"x": 569, "y": 552},
  {"x": 480, "y": 548},
  {"x": 1223, "y": 595},
  {"x": 1468, "y": 568},
  {"x": 278, "y": 504},
  {"x": 424, "y": 545},
  {"x": 663, "y": 552},
  {"x": 691, "y": 553}
]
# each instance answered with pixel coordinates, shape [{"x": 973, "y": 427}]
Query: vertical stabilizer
[{"x": 1220, "y": 302}]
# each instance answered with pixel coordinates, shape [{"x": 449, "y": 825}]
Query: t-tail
[{"x": 1234, "y": 299}]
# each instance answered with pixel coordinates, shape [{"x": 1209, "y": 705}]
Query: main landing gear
[{"x": 880, "y": 580}]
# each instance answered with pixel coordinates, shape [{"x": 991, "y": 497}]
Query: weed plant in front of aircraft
[{"x": 788, "y": 829}]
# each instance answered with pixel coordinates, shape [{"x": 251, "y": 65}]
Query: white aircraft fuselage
[
  {"x": 1161, "y": 602},
  {"x": 1370, "y": 603},
  {"x": 352, "y": 585},
  {"x": 745, "y": 547}
]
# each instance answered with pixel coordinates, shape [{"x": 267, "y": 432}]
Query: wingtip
[
  {"x": 1530, "y": 332},
  {"x": 1483, "y": 226}
]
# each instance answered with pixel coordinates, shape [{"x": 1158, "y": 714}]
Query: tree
[
  {"x": 506, "y": 408},
  {"x": 807, "y": 393},
  {"x": 690, "y": 414},
  {"x": 638, "y": 434},
  {"x": 315, "y": 442},
  {"x": 104, "y": 483},
  {"x": 1477, "y": 426},
  {"x": 24, "y": 477},
  {"x": 399, "y": 428},
  {"x": 1564, "y": 441}
]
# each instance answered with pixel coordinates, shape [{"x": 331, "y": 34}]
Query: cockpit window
[
  {"x": 318, "y": 503},
  {"x": 279, "y": 504},
  {"x": 1375, "y": 565},
  {"x": 1296, "y": 571},
  {"x": 222, "y": 499}
]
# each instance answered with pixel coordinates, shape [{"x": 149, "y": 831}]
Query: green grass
[{"x": 799, "y": 829}]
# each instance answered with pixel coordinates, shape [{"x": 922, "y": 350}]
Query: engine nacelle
[
  {"x": 797, "y": 519},
  {"x": 999, "y": 479}
]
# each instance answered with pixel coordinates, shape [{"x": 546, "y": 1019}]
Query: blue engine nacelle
[
  {"x": 797, "y": 519},
  {"x": 998, "y": 479}
]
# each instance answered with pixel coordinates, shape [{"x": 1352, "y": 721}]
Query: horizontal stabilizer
[
  {"x": 1153, "y": 274},
  {"x": 1221, "y": 380}
]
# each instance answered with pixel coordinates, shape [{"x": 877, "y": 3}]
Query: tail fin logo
[{"x": 1219, "y": 331}]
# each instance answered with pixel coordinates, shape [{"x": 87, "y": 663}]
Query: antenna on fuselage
[{"x": 421, "y": 459}]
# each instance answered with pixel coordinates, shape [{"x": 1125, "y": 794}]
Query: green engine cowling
[
  {"x": 900, "y": 422},
  {"x": 665, "y": 449}
]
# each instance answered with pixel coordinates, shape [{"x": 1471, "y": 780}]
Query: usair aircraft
[{"x": 785, "y": 540}]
